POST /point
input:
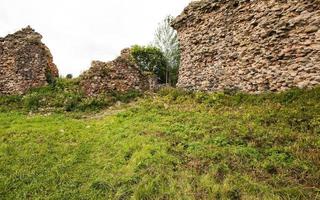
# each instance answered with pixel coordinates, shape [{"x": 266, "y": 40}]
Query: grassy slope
[{"x": 173, "y": 146}]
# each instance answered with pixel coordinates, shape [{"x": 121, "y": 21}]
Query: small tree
[
  {"x": 69, "y": 76},
  {"x": 150, "y": 59},
  {"x": 166, "y": 40}
]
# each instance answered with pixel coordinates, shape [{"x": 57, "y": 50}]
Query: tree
[
  {"x": 166, "y": 40},
  {"x": 69, "y": 76},
  {"x": 150, "y": 59}
]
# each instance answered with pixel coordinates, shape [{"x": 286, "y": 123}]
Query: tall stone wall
[
  {"x": 119, "y": 75},
  {"x": 250, "y": 45},
  {"x": 25, "y": 62}
]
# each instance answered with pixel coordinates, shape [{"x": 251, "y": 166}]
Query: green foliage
[
  {"x": 150, "y": 59},
  {"x": 162, "y": 58},
  {"x": 69, "y": 76},
  {"x": 32, "y": 101},
  {"x": 166, "y": 39},
  {"x": 50, "y": 78},
  {"x": 174, "y": 93},
  {"x": 175, "y": 145},
  {"x": 63, "y": 95},
  {"x": 127, "y": 96}
]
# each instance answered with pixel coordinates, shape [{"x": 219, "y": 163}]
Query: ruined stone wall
[
  {"x": 25, "y": 62},
  {"x": 119, "y": 75},
  {"x": 253, "y": 46}
]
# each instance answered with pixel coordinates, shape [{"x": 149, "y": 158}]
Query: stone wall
[
  {"x": 250, "y": 45},
  {"x": 25, "y": 62},
  {"x": 120, "y": 75}
]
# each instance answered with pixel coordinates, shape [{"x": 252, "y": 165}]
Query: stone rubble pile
[
  {"x": 249, "y": 45},
  {"x": 25, "y": 62},
  {"x": 120, "y": 75}
]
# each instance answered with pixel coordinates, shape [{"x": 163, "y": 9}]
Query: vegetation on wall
[{"x": 62, "y": 95}]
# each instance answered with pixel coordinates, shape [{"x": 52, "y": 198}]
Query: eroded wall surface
[
  {"x": 25, "y": 62},
  {"x": 253, "y": 46},
  {"x": 120, "y": 75}
]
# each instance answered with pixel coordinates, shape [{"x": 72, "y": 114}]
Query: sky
[{"x": 79, "y": 31}]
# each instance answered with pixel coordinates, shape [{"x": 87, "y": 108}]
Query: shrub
[
  {"x": 126, "y": 96},
  {"x": 173, "y": 93},
  {"x": 63, "y": 95},
  {"x": 95, "y": 103},
  {"x": 150, "y": 59},
  {"x": 32, "y": 101},
  {"x": 49, "y": 77},
  {"x": 72, "y": 102},
  {"x": 69, "y": 76}
]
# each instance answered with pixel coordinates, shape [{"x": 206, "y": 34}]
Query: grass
[
  {"x": 63, "y": 95},
  {"x": 174, "y": 145}
]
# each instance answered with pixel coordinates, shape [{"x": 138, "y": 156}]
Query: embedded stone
[
  {"x": 248, "y": 46},
  {"x": 119, "y": 75},
  {"x": 25, "y": 62},
  {"x": 312, "y": 29}
]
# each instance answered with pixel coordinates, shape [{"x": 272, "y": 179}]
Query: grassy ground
[{"x": 174, "y": 145}]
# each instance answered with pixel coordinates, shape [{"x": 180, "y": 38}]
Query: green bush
[
  {"x": 69, "y": 76},
  {"x": 32, "y": 101},
  {"x": 150, "y": 59},
  {"x": 125, "y": 97},
  {"x": 72, "y": 101},
  {"x": 174, "y": 93},
  {"x": 63, "y": 95},
  {"x": 95, "y": 103}
]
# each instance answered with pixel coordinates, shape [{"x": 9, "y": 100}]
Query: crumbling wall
[
  {"x": 25, "y": 62},
  {"x": 250, "y": 45},
  {"x": 120, "y": 75}
]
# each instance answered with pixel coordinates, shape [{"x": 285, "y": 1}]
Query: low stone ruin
[
  {"x": 119, "y": 75},
  {"x": 249, "y": 45},
  {"x": 25, "y": 62}
]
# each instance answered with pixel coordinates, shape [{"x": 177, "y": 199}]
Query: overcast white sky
[{"x": 79, "y": 31}]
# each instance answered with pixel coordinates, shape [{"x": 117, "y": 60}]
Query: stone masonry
[
  {"x": 249, "y": 45},
  {"x": 25, "y": 62},
  {"x": 119, "y": 75}
]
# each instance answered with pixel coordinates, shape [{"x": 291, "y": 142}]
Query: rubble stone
[
  {"x": 120, "y": 75},
  {"x": 25, "y": 62},
  {"x": 249, "y": 45}
]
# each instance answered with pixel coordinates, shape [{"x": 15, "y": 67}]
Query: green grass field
[{"x": 173, "y": 145}]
